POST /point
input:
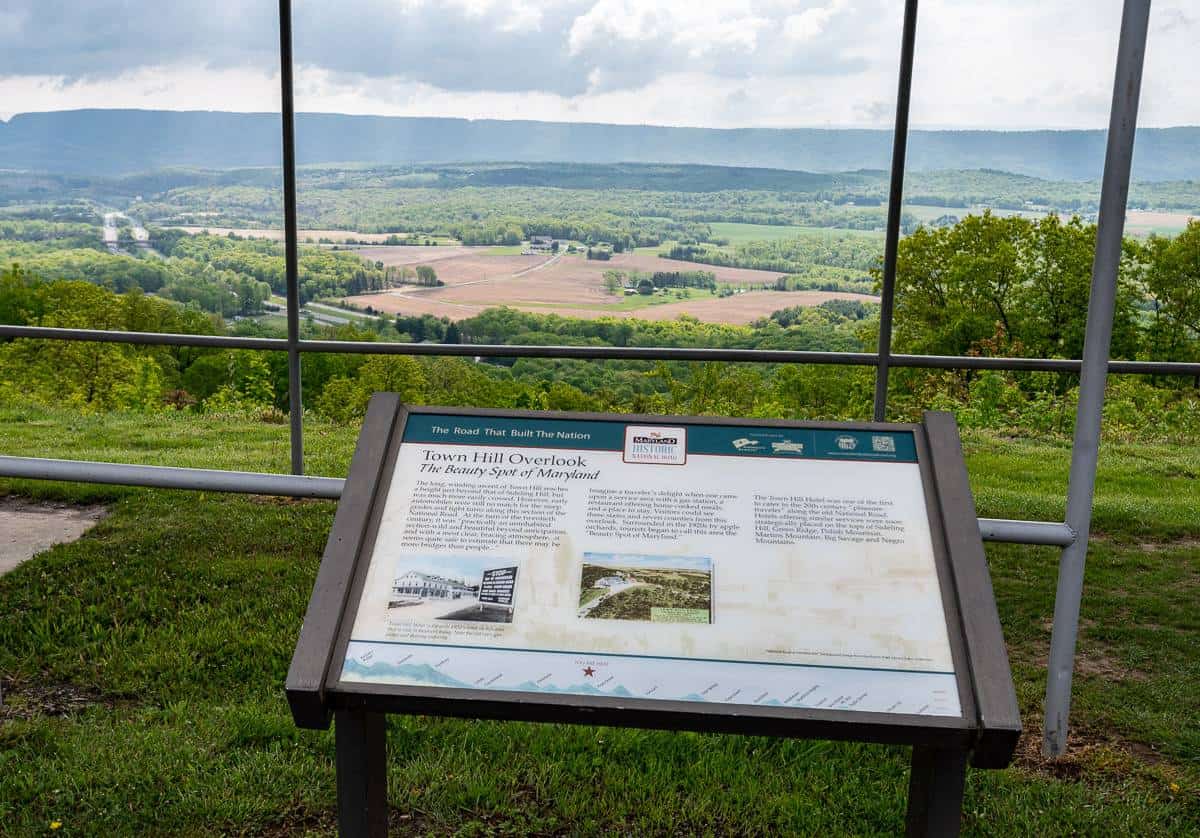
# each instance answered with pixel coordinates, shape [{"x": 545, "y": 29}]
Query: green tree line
[{"x": 985, "y": 286}]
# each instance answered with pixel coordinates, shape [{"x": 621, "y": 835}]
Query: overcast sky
[{"x": 980, "y": 63}]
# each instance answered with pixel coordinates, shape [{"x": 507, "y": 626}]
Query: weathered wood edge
[
  {"x": 314, "y": 648},
  {"x": 987, "y": 654}
]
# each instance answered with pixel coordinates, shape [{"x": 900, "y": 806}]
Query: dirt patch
[
  {"x": 279, "y": 500},
  {"x": 28, "y": 528},
  {"x": 1176, "y": 544},
  {"x": 1089, "y": 753},
  {"x": 1091, "y": 659},
  {"x": 1098, "y": 664},
  {"x": 301, "y": 821},
  {"x": 27, "y": 700}
]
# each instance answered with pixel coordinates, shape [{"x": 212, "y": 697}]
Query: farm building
[{"x": 608, "y": 582}]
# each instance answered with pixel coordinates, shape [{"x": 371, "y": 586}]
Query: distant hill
[{"x": 116, "y": 142}]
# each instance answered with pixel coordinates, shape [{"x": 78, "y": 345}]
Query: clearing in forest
[{"x": 573, "y": 286}]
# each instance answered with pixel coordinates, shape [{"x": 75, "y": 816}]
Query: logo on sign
[
  {"x": 788, "y": 447},
  {"x": 655, "y": 445},
  {"x": 744, "y": 444},
  {"x": 846, "y": 442},
  {"x": 883, "y": 444}
]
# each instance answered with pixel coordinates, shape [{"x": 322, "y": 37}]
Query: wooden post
[
  {"x": 361, "y": 773},
  {"x": 935, "y": 791}
]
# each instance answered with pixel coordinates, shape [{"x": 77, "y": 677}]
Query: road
[
  {"x": 613, "y": 591},
  {"x": 112, "y": 232}
]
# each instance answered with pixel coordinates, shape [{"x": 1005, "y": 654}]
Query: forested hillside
[{"x": 118, "y": 142}]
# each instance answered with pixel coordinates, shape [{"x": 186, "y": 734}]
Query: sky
[
  {"x": 634, "y": 560},
  {"x": 771, "y": 63}
]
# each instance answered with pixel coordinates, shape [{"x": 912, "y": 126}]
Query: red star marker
[{"x": 588, "y": 671}]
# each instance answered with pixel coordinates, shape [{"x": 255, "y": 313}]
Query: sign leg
[
  {"x": 361, "y": 773},
  {"x": 935, "y": 791}
]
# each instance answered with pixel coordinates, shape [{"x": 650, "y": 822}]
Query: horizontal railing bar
[
  {"x": 172, "y": 477},
  {"x": 596, "y": 353},
  {"x": 593, "y": 353},
  {"x": 1026, "y": 532},
  {"x": 144, "y": 338},
  {"x": 287, "y": 485}
]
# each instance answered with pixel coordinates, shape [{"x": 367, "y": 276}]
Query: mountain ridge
[{"x": 127, "y": 141}]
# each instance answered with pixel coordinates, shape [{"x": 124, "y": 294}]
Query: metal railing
[{"x": 1092, "y": 368}]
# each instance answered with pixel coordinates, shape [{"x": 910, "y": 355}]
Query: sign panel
[
  {"x": 717, "y": 564},
  {"x": 497, "y": 585}
]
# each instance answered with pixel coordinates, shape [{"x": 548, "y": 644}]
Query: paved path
[{"x": 28, "y": 528}]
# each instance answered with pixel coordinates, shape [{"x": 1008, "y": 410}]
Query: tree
[
  {"x": 1172, "y": 281},
  {"x": 614, "y": 281},
  {"x": 1003, "y": 286},
  {"x": 426, "y": 275}
]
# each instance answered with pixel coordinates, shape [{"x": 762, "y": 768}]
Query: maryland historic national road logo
[{"x": 655, "y": 444}]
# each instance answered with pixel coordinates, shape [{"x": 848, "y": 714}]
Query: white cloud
[
  {"x": 988, "y": 63},
  {"x": 811, "y": 22}
]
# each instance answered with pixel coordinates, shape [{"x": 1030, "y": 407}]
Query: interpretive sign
[{"x": 800, "y": 579}]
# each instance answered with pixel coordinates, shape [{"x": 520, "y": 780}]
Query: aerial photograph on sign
[
  {"x": 658, "y": 589},
  {"x": 452, "y": 588}
]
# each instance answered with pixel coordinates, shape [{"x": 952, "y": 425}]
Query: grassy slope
[{"x": 166, "y": 633}]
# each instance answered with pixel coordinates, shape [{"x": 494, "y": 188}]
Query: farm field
[
  {"x": 1144, "y": 222},
  {"x": 455, "y": 265},
  {"x": 924, "y": 213},
  {"x": 738, "y": 233},
  {"x": 1140, "y": 223},
  {"x": 738, "y": 310},
  {"x": 336, "y": 236},
  {"x": 572, "y": 285}
]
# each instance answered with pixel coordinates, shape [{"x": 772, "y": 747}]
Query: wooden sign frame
[{"x": 986, "y": 732}]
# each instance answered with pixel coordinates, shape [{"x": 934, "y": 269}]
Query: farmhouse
[
  {"x": 541, "y": 244},
  {"x": 429, "y": 586},
  {"x": 608, "y": 582}
]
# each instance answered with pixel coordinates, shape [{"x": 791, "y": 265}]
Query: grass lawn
[{"x": 143, "y": 670}]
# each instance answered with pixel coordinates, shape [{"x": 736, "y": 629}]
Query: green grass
[
  {"x": 589, "y": 594},
  {"x": 738, "y": 233},
  {"x": 165, "y": 634},
  {"x": 632, "y": 302}
]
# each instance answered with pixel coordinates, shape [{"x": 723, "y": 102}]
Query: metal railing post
[
  {"x": 895, "y": 200},
  {"x": 1114, "y": 192},
  {"x": 291, "y": 251}
]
